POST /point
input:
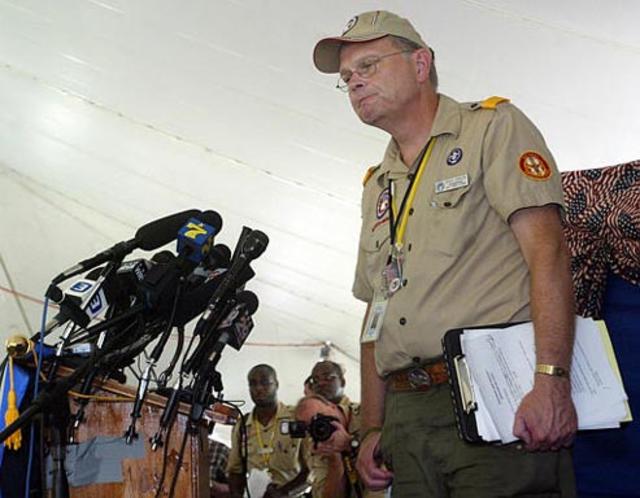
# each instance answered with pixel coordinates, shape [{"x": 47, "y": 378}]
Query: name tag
[{"x": 453, "y": 183}]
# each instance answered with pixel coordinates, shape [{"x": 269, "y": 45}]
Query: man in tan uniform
[
  {"x": 266, "y": 448},
  {"x": 332, "y": 462},
  {"x": 460, "y": 227},
  {"x": 328, "y": 382}
]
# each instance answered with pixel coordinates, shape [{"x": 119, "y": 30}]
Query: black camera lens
[{"x": 321, "y": 427}]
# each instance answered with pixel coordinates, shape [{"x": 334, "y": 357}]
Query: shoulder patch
[
  {"x": 369, "y": 174},
  {"x": 489, "y": 103}
]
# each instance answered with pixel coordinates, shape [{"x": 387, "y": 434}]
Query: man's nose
[{"x": 356, "y": 82}]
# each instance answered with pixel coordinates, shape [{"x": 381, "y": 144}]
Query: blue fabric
[
  {"x": 607, "y": 462},
  {"x": 14, "y": 463}
]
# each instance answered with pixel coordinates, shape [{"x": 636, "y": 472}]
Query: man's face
[
  {"x": 382, "y": 96},
  {"x": 327, "y": 382},
  {"x": 263, "y": 387}
]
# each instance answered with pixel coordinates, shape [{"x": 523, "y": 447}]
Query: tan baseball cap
[{"x": 363, "y": 28}]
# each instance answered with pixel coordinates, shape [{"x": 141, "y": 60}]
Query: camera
[{"x": 320, "y": 428}]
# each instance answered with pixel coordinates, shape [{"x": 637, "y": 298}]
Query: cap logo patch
[
  {"x": 454, "y": 156},
  {"x": 534, "y": 166},
  {"x": 352, "y": 22},
  {"x": 382, "y": 206}
]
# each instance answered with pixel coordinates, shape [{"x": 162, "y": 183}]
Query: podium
[{"x": 142, "y": 476}]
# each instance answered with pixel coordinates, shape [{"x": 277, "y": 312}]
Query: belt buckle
[{"x": 419, "y": 377}]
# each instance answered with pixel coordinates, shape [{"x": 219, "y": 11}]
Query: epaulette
[
  {"x": 489, "y": 103},
  {"x": 369, "y": 174}
]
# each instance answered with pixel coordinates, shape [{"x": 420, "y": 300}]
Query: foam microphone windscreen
[{"x": 157, "y": 233}]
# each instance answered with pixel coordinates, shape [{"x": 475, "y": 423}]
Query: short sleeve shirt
[
  {"x": 280, "y": 454},
  {"x": 463, "y": 266},
  {"x": 318, "y": 464}
]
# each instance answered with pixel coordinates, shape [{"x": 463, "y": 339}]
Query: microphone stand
[{"x": 143, "y": 385}]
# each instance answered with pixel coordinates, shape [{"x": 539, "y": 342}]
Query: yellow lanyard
[
  {"x": 397, "y": 238},
  {"x": 264, "y": 450}
]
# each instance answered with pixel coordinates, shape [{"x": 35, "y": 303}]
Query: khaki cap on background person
[{"x": 362, "y": 28}]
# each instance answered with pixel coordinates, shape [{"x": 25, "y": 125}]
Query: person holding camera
[
  {"x": 259, "y": 450},
  {"x": 334, "y": 447}
]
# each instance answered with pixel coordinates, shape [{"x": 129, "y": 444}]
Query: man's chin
[{"x": 368, "y": 117}]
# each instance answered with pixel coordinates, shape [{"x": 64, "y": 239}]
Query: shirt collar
[
  {"x": 280, "y": 413},
  {"x": 448, "y": 121}
]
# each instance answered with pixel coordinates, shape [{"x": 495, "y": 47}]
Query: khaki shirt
[
  {"x": 318, "y": 465},
  {"x": 463, "y": 265},
  {"x": 282, "y": 456}
]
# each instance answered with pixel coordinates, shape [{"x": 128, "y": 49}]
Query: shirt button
[
  {"x": 410, "y": 211},
  {"x": 409, "y": 247},
  {"x": 403, "y": 321},
  {"x": 404, "y": 282}
]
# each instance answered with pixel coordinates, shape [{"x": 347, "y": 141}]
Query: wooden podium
[{"x": 141, "y": 476}]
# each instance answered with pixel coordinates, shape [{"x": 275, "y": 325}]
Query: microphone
[
  {"x": 195, "y": 238},
  {"x": 233, "y": 331},
  {"x": 148, "y": 237},
  {"x": 252, "y": 246},
  {"x": 214, "y": 264},
  {"x": 194, "y": 242}
]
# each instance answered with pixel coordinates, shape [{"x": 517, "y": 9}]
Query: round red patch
[{"x": 534, "y": 166}]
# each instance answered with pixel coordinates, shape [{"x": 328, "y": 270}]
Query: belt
[{"x": 418, "y": 378}]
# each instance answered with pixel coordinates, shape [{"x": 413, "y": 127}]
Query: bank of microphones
[{"x": 117, "y": 313}]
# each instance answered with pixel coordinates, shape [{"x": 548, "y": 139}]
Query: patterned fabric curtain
[{"x": 602, "y": 227}]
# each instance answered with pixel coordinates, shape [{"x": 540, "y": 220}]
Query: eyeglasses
[
  {"x": 325, "y": 378},
  {"x": 366, "y": 68}
]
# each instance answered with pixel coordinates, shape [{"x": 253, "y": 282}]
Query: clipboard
[{"x": 464, "y": 404}]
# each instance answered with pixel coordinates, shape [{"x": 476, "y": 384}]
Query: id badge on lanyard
[{"x": 392, "y": 274}]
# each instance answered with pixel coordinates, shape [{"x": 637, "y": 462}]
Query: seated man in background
[{"x": 270, "y": 455}]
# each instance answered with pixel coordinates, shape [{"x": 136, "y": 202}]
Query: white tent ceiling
[{"x": 114, "y": 113}]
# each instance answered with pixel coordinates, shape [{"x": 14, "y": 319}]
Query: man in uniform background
[
  {"x": 270, "y": 453},
  {"x": 458, "y": 230},
  {"x": 328, "y": 382}
]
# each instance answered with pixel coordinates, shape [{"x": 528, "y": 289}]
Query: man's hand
[
  {"x": 368, "y": 464},
  {"x": 546, "y": 418},
  {"x": 337, "y": 443}
]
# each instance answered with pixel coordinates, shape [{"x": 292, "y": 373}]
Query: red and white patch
[
  {"x": 382, "y": 206},
  {"x": 534, "y": 166}
]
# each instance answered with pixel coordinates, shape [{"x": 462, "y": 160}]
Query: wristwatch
[
  {"x": 552, "y": 370},
  {"x": 354, "y": 445}
]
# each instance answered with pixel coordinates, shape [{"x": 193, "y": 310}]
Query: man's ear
[{"x": 424, "y": 59}]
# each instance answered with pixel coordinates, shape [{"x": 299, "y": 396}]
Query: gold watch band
[{"x": 552, "y": 370}]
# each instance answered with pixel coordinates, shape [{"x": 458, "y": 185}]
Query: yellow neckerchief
[
  {"x": 266, "y": 456},
  {"x": 401, "y": 223}
]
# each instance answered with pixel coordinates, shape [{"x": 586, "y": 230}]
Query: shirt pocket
[
  {"x": 374, "y": 251},
  {"x": 448, "y": 213}
]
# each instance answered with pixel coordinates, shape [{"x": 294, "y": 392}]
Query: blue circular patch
[{"x": 454, "y": 156}]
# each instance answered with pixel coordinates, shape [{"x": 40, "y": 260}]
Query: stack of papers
[{"x": 501, "y": 365}]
